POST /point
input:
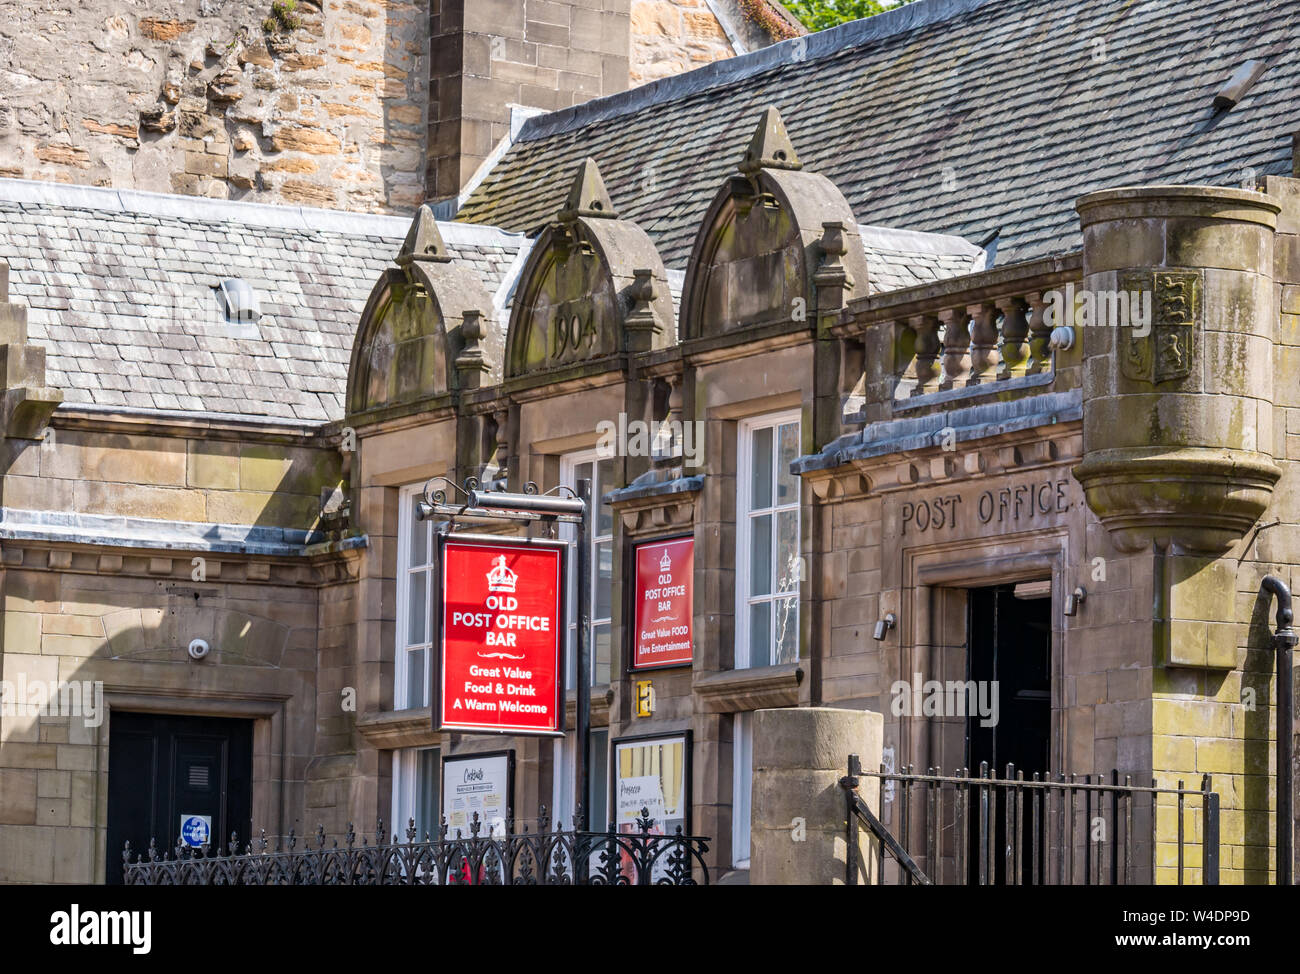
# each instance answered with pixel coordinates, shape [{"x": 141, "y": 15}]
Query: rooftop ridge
[
  {"x": 717, "y": 74},
  {"x": 199, "y": 209}
]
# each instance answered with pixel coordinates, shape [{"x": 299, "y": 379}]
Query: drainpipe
[{"x": 1284, "y": 641}]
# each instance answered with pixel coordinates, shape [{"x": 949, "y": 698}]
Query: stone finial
[
  {"x": 832, "y": 277},
  {"x": 423, "y": 241},
  {"x": 587, "y": 195},
  {"x": 770, "y": 146},
  {"x": 470, "y": 363},
  {"x": 640, "y": 323}
]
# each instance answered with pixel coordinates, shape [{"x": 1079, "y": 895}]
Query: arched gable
[
  {"x": 593, "y": 286},
  {"x": 760, "y": 244},
  {"x": 410, "y": 334}
]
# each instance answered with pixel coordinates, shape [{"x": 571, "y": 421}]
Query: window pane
[
  {"x": 415, "y": 678},
  {"x": 581, "y": 471},
  {"x": 760, "y": 634},
  {"x": 760, "y": 555},
  {"x": 597, "y": 775},
  {"x": 787, "y": 484},
  {"x": 787, "y": 630},
  {"x": 427, "y": 811},
  {"x": 604, "y": 484},
  {"x": 419, "y": 537},
  {"x": 604, "y": 571},
  {"x": 417, "y": 615},
  {"x": 787, "y": 551},
  {"x": 760, "y": 480},
  {"x": 600, "y": 644}
]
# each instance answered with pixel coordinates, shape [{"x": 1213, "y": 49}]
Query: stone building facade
[
  {"x": 888, "y": 428},
  {"x": 365, "y": 106}
]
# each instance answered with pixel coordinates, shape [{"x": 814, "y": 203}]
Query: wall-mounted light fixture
[
  {"x": 884, "y": 625},
  {"x": 1075, "y": 599}
]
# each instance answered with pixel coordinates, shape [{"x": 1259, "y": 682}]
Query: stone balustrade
[{"x": 969, "y": 333}]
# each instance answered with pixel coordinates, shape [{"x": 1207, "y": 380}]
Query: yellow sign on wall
[{"x": 645, "y": 698}]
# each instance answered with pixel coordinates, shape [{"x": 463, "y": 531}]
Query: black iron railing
[
  {"x": 542, "y": 858},
  {"x": 1081, "y": 830}
]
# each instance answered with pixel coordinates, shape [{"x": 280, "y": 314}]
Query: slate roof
[
  {"x": 950, "y": 116},
  {"x": 905, "y": 258},
  {"x": 119, "y": 290}
]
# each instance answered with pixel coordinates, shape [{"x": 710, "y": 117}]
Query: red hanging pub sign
[
  {"x": 501, "y": 652},
  {"x": 665, "y": 572}
]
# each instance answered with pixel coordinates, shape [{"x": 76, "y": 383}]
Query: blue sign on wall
[{"x": 196, "y": 830}]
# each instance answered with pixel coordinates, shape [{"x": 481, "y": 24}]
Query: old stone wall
[
  {"x": 671, "y": 36},
  {"x": 491, "y": 54},
  {"x": 196, "y": 478},
  {"x": 367, "y": 105},
  {"x": 312, "y": 102}
]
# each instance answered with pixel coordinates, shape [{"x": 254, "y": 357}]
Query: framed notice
[
  {"x": 652, "y": 773},
  {"x": 501, "y": 645},
  {"x": 482, "y": 783},
  {"x": 663, "y": 595}
]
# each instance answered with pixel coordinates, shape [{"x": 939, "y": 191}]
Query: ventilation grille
[{"x": 199, "y": 777}]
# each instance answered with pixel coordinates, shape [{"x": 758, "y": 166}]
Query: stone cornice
[{"x": 757, "y": 688}]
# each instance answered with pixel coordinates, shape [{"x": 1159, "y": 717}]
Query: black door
[
  {"x": 165, "y": 770},
  {"x": 1010, "y": 642}
]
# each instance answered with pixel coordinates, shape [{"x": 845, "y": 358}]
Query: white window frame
[
  {"x": 744, "y": 513},
  {"x": 401, "y": 692},
  {"x": 406, "y": 792},
  {"x": 565, "y": 756},
  {"x": 742, "y": 787},
  {"x": 568, "y": 464}
]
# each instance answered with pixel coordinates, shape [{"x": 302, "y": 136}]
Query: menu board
[
  {"x": 652, "y": 773},
  {"x": 482, "y": 783}
]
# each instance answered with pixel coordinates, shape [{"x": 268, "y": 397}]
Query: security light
[
  {"x": 1075, "y": 599},
  {"x": 884, "y": 625}
]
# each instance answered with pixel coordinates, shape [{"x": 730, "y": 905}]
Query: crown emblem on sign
[
  {"x": 665, "y": 563},
  {"x": 501, "y": 578}
]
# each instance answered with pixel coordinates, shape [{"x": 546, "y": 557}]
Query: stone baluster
[
  {"x": 983, "y": 342},
  {"x": 1040, "y": 335},
  {"x": 667, "y": 445},
  {"x": 956, "y": 348},
  {"x": 501, "y": 455},
  {"x": 1015, "y": 337},
  {"x": 926, "y": 367}
]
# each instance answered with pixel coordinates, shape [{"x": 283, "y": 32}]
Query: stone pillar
[
  {"x": 1178, "y": 322},
  {"x": 798, "y": 812}
]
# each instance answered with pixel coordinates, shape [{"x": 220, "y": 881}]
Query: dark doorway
[
  {"x": 1010, "y": 643},
  {"x": 163, "y": 769}
]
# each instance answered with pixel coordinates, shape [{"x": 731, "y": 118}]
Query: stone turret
[{"x": 1177, "y": 324}]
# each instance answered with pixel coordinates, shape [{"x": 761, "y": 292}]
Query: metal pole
[
  {"x": 583, "y": 602},
  {"x": 1284, "y": 641}
]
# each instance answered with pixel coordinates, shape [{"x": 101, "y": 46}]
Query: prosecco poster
[
  {"x": 665, "y": 571},
  {"x": 501, "y": 649}
]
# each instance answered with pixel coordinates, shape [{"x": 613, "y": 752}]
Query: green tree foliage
[{"x": 820, "y": 14}]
